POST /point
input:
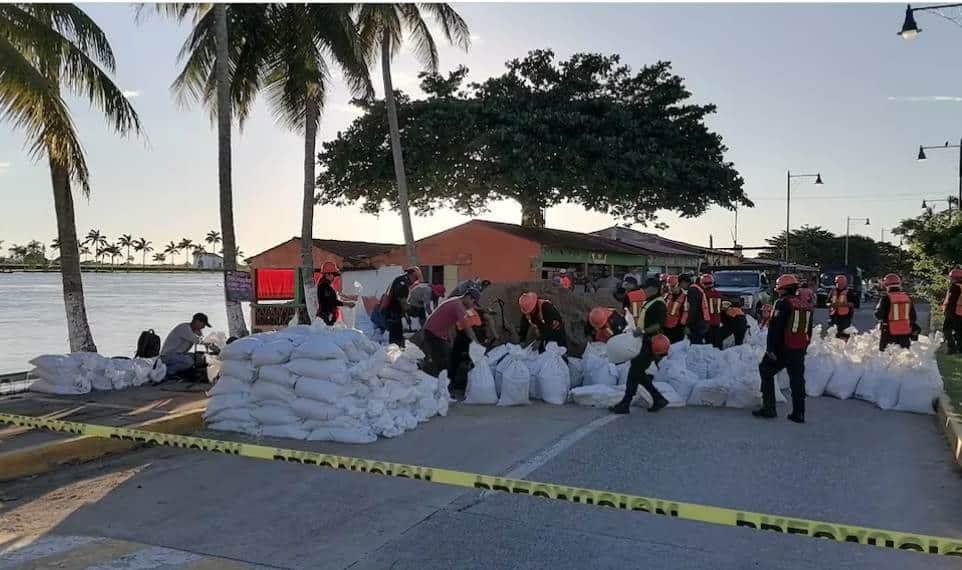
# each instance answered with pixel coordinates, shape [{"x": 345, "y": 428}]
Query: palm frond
[
  {"x": 452, "y": 24},
  {"x": 425, "y": 49}
]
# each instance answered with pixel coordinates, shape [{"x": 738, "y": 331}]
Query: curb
[
  {"x": 951, "y": 425},
  {"x": 44, "y": 457}
]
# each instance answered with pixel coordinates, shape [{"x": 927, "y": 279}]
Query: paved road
[
  {"x": 865, "y": 317},
  {"x": 851, "y": 464}
]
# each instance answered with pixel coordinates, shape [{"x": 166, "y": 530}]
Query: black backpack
[{"x": 148, "y": 345}]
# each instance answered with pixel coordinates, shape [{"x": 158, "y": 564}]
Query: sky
[{"x": 826, "y": 88}]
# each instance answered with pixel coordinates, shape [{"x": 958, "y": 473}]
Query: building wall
[
  {"x": 477, "y": 251},
  {"x": 208, "y": 261},
  {"x": 288, "y": 255}
]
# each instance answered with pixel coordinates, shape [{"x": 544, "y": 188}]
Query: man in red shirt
[{"x": 437, "y": 331}]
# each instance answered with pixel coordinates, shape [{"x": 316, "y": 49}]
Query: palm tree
[
  {"x": 143, "y": 246},
  {"x": 113, "y": 250},
  {"x": 126, "y": 240},
  {"x": 159, "y": 257},
  {"x": 213, "y": 238},
  {"x": 95, "y": 238},
  {"x": 84, "y": 250},
  {"x": 171, "y": 249},
  {"x": 382, "y": 28},
  {"x": 55, "y": 243},
  {"x": 184, "y": 246}
]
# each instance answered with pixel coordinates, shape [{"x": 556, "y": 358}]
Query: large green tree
[
  {"x": 586, "y": 130},
  {"x": 816, "y": 246},
  {"x": 45, "y": 51},
  {"x": 935, "y": 243}
]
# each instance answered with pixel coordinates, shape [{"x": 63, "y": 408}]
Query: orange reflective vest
[
  {"x": 714, "y": 307},
  {"x": 900, "y": 305},
  {"x": 636, "y": 303},
  {"x": 677, "y": 311},
  {"x": 705, "y": 313},
  {"x": 957, "y": 309},
  {"x": 471, "y": 318},
  {"x": 799, "y": 322},
  {"x": 838, "y": 303}
]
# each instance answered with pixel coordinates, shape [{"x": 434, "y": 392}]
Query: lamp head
[
  {"x": 921, "y": 156},
  {"x": 818, "y": 179},
  {"x": 867, "y": 222},
  {"x": 910, "y": 30},
  {"x": 924, "y": 205}
]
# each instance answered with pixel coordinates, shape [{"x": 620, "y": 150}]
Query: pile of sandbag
[
  {"x": 80, "y": 372},
  {"x": 511, "y": 375},
  {"x": 322, "y": 383}
]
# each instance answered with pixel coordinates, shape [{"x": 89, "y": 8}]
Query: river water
[{"x": 119, "y": 307}]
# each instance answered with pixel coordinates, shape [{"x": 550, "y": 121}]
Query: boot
[
  {"x": 660, "y": 402},
  {"x": 765, "y": 413},
  {"x": 621, "y": 407},
  {"x": 797, "y": 418}
]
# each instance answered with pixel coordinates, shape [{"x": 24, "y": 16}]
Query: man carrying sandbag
[
  {"x": 542, "y": 317},
  {"x": 653, "y": 348},
  {"x": 437, "y": 328},
  {"x": 649, "y": 322},
  {"x": 896, "y": 314},
  {"x": 789, "y": 334}
]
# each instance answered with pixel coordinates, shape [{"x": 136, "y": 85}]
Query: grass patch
[{"x": 951, "y": 369}]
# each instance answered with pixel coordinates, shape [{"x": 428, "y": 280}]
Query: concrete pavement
[
  {"x": 865, "y": 316},
  {"x": 851, "y": 464}
]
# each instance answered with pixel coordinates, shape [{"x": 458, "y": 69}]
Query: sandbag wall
[{"x": 80, "y": 372}]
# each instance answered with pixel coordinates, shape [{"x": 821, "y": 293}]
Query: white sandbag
[
  {"x": 919, "y": 391},
  {"x": 515, "y": 382},
  {"x": 890, "y": 386},
  {"x": 623, "y": 347},
  {"x": 242, "y": 348},
  {"x": 274, "y": 352},
  {"x": 277, "y": 374},
  {"x": 598, "y": 370},
  {"x": 120, "y": 372},
  {"x": 77, "y": 386},
  {"x": 222, "y": 413},
  {"x": 576, "y": 371},
  {"x": 844, "y": 379},
  {"x": 319, "y": 390},
  {"x": 270, "y": 392},
  {"x": 240, "y": 369},
  {"x": 99, "y": 381},
  {"x": 158, "y": 372},
  {"x": 818, "y": 373},
  {"x": 55, "y": 362},
  {"x": 274, "y": 414},
  {"x": 370, "y": 368},
  {"x": 442, "y": 395},
  {"x": 364, "y": 323},
  {"x": 229, "y": 385},
  {"x": 703, "y": 360},
  {"x": 596, "y": 395},
  {"x": 319, "y": 347},
  {"x": 317, "y": 368},
  {"x": 391, "y": 373},
  {"x": 289, "y": 431},
  {"x": 553, "y": 376},
  {"x": 623, "y": 369},
  {"x": 343, "y": 435},
  {"x": 868, "y": 385},
  {"x": 668, "y": 391},
  {"x": 744, "y": 394},
  {"x": 235, "y": 426},
  {"x": 710, "y": 392},
  {"x": 495, "y": 355},
  {"x": 674, "y": 372},
  {"x": 480, "y": 388},
  {"x": 643, "y": 398},
  {"x": 219, "y": 404}
]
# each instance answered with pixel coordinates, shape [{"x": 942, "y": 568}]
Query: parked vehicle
[
  {"x": 750, "y": 286},
  {"x": 826, "y": 282}
]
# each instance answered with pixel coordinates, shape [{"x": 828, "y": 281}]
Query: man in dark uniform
[
  {"x": 840, "y": 307},
  {"x": 789, "y": 333},
  {"x": 734, "y": 321},
  {"x": 896, "y": 313},
  {"x": 653, "y": 348},
  {"x": 328, "y": 299},
  {"x": 952, "y": 308},
  {"x": 604, "y": 323},
  {"x": 649, "y": 322},
  {"x": 542, "y": 316},
  {"x": 394, "y": 304},
  {"x": 697, "y": 310}
]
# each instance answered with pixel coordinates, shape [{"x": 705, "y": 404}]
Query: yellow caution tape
[{"x": 675, "y": 509}]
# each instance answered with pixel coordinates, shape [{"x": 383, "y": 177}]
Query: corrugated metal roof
[
  {"x": 652, "y": 242},
  {"x": 563, "y": 239},
  {"x": 354, "y": 250}
]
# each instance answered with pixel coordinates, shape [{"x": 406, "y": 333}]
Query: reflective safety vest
[
  {"x": 714, "y": 307},
  {"x": 957, "y": 309},
  {"x": 799, "y": 322},
  {"x": 472, "y": 318},
  {"x": 636, "y": 300},
  {"x": 900, "y": 305},
  {"x": 539, "y": 313},
  {"x": 641, "y": 318},
  {"x": 677, "y": 311},
  {"x": 705, "y": 313},
  {"x": 838, "y": 303}
]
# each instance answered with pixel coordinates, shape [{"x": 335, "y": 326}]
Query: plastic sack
[
  {"x": 623, "y": 347},
  {"x": 553, "y": 376},
  {"x": 277, "y": 374},
  {"x": 596, "y": 395},
  {"x": 240, "y": 369},
  {"x": 356, "y": 435},
  {"x": 818, "y": 373},
  {"x": 269, "y": 392},
  {"x": 242, "y": 348},
  {"x": 79, "y": 385},
  {"x": 221, "y": 403},
  {"x": 495, "y": 355},
  {"x": 320, "y": 369},
  {"x": 274, "y": 352},
  {"x": 870, "y": 382},
  {"x": 668, "y": 391},
  {"x": 710, "y": 392},
  {"x": 289, "y": 431},
  {"x": 598, "y": 370},
  {"x": 321, "y": 390},
  {"x": 274, "y": 414},
  {"x": 229, "y": 385},
  {"x": 319, "y": 347},
  {"x": 919, "y": 391},
  {"x": 576, "y": 371},
  {"x": 890, "y": 386},
  {"x": 480, "y": 389},
  {"x": 844, "y": 379}
]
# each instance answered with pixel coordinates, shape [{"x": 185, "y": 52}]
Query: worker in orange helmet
[
  {"x": 714, "y": 299},
  {"x": 952, "y": 308},
  {"x": 328, "y": 298},
  {"x": 789, "y": 334},
  {"x": 896, "y": 314},
  {"x": 604, "y": 323},
  {"x": 840, "y": 307},
  {"x": 542, "y": 317},
  {"x": 676, "y": 302},
  {"x": 765, "y": 316},
  {"x": 653, "y": 349}
]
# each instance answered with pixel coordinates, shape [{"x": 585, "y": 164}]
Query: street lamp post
[
  {"x": 848, "y": 223},
  {"x": 910, "y": 30},
  {"x": 928, "y": 202},
  {"x": 788, "y": 201},
  {"x": 922, "y": 157}
]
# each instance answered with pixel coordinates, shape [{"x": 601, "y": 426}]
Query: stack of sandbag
[
  {"x": 322, "y": 383},
  {"x": 510, "y": 375},
  {"x": 81, "y": 372}
]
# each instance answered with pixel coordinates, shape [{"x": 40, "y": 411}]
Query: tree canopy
[
  {"x": 586, "y": 130},
  {"x": 935, "y": 242},
  {"x": 816, "y": 246}
]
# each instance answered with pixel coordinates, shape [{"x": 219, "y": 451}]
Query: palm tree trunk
[
  {"x": 235, "y": 313},
  {"x": 402, "y": 183},
  {"x": 307, "y": 215},
  {"x": 78, "y": 329}
]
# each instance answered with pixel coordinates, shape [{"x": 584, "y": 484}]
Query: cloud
[
  {"x": 476, "y": 39},
  {"x": 928, "y": 99},
  {"x": 130, "y": 94},
  {"x": 4, "y": 166}
]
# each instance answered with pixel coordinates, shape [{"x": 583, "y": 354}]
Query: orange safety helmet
[
  {"x": 527, "y": 302},
  {"x": 660, "y": 345},
  {"x": 707, "y": 280},
  {"x": 671, "y": 280},
  {"x": 598, "y": 317},
  {"x": 328, "y": 267},
  {"x": 415, "y": 271},
  {"x": 891, "y": 280},
  {"x": 841, "y": 281},
  {"x": 786, "y": 280},
  {"x": 955, "y": 274}
]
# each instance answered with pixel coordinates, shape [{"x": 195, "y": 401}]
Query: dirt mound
[{"x": 574, "y": 308}]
